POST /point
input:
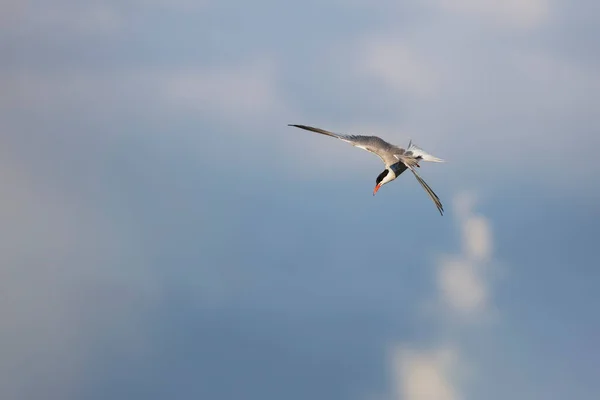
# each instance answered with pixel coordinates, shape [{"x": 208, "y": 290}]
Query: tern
[{"x": 395, "y": 158}]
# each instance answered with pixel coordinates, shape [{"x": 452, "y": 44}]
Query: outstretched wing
[
  {"x": 411, "y": 162},
  {"x": 430, "y": 192},
  {"x": 372, "y": 144}
]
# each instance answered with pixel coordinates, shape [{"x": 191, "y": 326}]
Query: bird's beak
[{"x": 376, "y": 189}]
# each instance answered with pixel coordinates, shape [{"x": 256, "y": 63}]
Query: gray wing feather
[
  {"x": 319, "y": 130},
  {"x": 372, "y": 144},
  {"x": 430, "y": 192}
]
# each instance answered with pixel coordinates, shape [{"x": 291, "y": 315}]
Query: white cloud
[
  {"x": 425, "y": 375},
  {"x": 463, "y": 203},
  {"x": 463, "y": 295},
  {"x": 461, "y": 286},
  {"x": 522, "y": 13},
  {"x": 398, "y": 65},
  {"x": 477, "y": 238},
  {"x": 460, "y": 279}
]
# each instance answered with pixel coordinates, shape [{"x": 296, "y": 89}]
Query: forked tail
[{"x": 417, "y": 151}]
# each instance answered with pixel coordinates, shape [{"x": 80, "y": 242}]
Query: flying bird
[{"x": 395, "y": 158}]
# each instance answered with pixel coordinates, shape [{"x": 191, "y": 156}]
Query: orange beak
[{"x": 376, "y": 189}]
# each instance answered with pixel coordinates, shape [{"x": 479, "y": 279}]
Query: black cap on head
[{"x": 381, "y": 176}]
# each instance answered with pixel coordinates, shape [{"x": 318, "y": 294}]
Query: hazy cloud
[
  {"x": 425, "y": 375},
  {"x": 477, "y": 238},
  {"x": 91, "y": 18},
  {"x": 221, "y": 91},
  {"x": 32, "y": 17},
  {"x": 63, "y": 292},
  {"x": 395, "y": 63},
  {"x": 463, "y": 293},
  {"x": 242, "y": 90},
  {"x": 520, "y": 13},
  {"x": 461, "y": 278},
  {"x": 461, "y": 286}
]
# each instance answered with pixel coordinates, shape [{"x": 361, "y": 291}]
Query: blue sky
[{"x": 165, "y": 234}]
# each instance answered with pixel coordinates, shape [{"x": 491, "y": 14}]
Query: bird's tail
[{"x": 417, "y": 151}]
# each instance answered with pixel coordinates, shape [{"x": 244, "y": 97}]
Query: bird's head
[{"x": 386, "y": 176}]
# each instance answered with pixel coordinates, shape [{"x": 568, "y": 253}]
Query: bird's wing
[
  {"x": 372, "y": 144},
  {"x": 410, "y": 163}
]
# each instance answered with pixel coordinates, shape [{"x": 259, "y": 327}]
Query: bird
[{"x": 396, "y": 159}]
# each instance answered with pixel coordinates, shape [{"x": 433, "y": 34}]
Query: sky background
[{"x": 164, "y": 234}]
